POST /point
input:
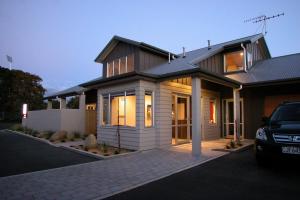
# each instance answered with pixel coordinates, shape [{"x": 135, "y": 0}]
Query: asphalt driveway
[
  {"x": 234, "y": 176},
  {"x": 19, "y": 154}
]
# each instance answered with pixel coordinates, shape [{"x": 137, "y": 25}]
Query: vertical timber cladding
[
  {"x": 91, "y": 122},
  {"x": 213, "y": 64},
  {"x": 258, "y": 50},
  {"x": 271, "y": 102},
  {"x": 91, "y": 113},
  {"x": 120, "y": 50},
  {"x": 149, "y": 59}
]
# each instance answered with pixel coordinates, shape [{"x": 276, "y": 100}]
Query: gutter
[
  {"x": 245, "y": 57},
  {"x": 272, "y": 82}
]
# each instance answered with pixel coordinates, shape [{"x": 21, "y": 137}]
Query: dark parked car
[{"x": 280, "y": 134}]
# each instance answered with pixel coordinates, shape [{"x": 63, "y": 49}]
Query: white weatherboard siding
[
  {"x": 147, "y": 134},
  {"x": 210, "y": 131},
  {"x": 164, "y": 107},
  {"x": 160, "y": 135},
  {"x": 129, "y": 136}
]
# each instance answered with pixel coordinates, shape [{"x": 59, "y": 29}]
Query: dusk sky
[{"x": 59, "y": 39}]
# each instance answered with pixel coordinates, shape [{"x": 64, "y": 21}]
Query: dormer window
[
  {"x": 234, "y": 61},
  {"x": 120, "y": 66}
]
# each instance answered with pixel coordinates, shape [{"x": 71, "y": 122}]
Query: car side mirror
[{"x": 265, "y": 119}]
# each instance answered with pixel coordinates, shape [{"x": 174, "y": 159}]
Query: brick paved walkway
[{"x": 103, "y": 178}]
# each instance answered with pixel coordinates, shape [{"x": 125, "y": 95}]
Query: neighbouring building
[{"x": 158, "y": 98}]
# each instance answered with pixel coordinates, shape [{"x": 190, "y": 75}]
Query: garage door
[{"x": 271, "y": 102}]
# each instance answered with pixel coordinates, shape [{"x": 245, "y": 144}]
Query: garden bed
[
  {"x": 102, "y": 150},
  {"x": 77, "y": 142}
]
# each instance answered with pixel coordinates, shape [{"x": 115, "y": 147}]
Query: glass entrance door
[
  {"x": 180, "y": 119},
  {"x": 228, "y": 118}
]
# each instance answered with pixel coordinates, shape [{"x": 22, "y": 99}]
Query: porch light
[
  {"x": 25, "y": 110},
  {"x": 241, "y": 54}
]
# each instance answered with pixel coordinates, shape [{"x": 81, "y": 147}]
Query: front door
[
  {"x": 228, "y": 118},
  {"x": 180, "y": 119}
]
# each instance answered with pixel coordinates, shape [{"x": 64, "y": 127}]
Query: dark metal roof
[
  {"x": 67, "y": 92},
  {"x": 274, "y": 69},
  {"x": 193, "y": 57},
  {"x": 116, "y": 39}
]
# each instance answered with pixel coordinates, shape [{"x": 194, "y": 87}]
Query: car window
[{"x": 287, "y": 113}]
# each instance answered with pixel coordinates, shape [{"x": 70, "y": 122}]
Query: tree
[
  {"x": 73, "y": 103},
  {"x": 18, "y": 87}
]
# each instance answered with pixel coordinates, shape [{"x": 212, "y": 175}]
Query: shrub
[
  {"x": 76, "y": 134},
  {"x": 28, "y": 131},
  {"x": 17, "y": 127},
  {"x": 57, "y": 136},
  {"x": 104, "y": 148},
  {"x": 239, "y": 143},
  {"x": 232, "y": 144},
  {"x": 70, "y": 136},
  {"x": 34, "y": 133},
  {"x": 116, "y": 151}
]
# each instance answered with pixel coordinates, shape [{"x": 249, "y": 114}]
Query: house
[{"x": 157, "y": 98}]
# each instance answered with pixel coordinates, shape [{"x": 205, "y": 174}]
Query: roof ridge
[
  {"x": 282, "y": 56},
  {"x": 225, "y": 42}
]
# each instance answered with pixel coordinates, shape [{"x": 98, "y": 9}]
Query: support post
[
  {"x": 82, "y": 101},
  {"x": 236, "y": 110},
  {"x": 196, "y": 116},
  {"x": 49, "y": 104},
  {"x": 62, "y": 103},
  {"x": 82, "y": 110}
]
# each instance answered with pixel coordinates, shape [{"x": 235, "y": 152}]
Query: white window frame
[
  {"x": 152, "y": 109},
  {"x": 215, "y": 109},
  {"x": 109, "y": 110},
  {"x": 224, "y": 61}
]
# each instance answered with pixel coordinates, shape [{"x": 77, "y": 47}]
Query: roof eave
[{"x": 272, "y": 82}]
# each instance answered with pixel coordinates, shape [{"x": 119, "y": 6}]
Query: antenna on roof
[{"x": 263, "y": 20}]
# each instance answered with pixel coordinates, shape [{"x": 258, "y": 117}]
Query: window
[
  {"x": 148, "y": 109},
  {"x": 234, "y": 61},
  {"x": 120, "y": 109},
  {"x": 120, "y": 66},
  {"x": 105, "y": 110},
  {"x": 212, "y": 111}
]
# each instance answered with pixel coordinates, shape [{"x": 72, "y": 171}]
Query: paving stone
[{"x": 101, "y": 178}]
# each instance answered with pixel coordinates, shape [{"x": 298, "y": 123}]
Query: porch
[
  {"x": 205, "y": 110},
  {"x": 214, "y": 145}
]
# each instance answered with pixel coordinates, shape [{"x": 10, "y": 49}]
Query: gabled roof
[
  {"x": 195, "y": 56},
  {"x": 116, "y": 39},
  {"x": 273, "y": 69},
  {"x": 277, "y": 69}
]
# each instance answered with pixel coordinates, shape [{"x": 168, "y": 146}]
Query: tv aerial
[{"x": 262, "y": 19}]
